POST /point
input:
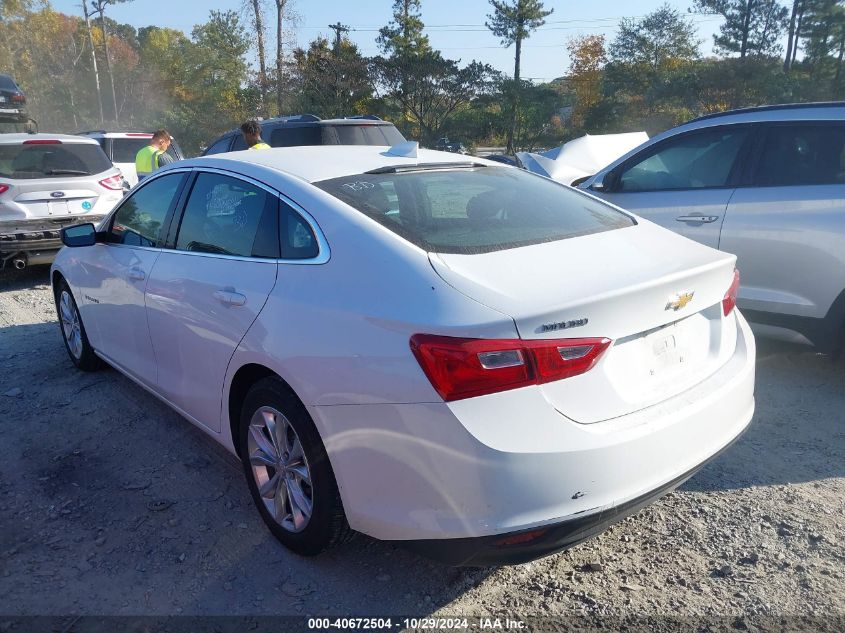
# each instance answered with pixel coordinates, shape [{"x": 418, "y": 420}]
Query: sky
[{"x": 456, "y": 27}]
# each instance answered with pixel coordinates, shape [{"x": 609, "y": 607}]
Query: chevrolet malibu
[{"x": 470, "y": 359}]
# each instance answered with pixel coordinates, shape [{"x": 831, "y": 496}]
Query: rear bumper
[
  {"x": 36, "y": 235},
  {"x": 523, "y": 546},
  {"x": 461, "y": 476}
]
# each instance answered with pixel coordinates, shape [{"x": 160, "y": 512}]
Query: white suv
[
  {"x": 121, "y": 148},
  {"x": 48, "y": 181}
]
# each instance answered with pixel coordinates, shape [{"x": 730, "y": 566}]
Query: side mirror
[{"x": 79, "y": 235}]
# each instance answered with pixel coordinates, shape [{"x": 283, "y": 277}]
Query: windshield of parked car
[
  {"x": 474, "y": 210},
  {"x": 52, "y": 160}
]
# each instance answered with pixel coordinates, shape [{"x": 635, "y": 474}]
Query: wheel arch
[{"x": 242, "y": 380}]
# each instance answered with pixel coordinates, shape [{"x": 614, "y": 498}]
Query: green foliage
[
  {"x": 751, "y": 27},
  {"x": 514, "y": 20},
  {"x": 404, "y": 35},
  {"x": 332, "y": 82}
]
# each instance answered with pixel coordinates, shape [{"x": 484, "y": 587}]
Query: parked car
[
  {"x": 48, "y": 181},
  {"x": 444, "y": 144},
  {"x": 473, "y": 360},
  {"x": 121, "y": 148},
  {"x": 506, "y": 159},
  {"x": 767, "y": 184},
  {"x": 307, "y": 129},
  {"x": 12, "y": 101}
]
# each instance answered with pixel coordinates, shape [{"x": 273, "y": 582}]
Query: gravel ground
[{"x": 111, "y": 504}]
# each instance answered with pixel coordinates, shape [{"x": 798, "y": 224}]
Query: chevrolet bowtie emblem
[{"x": 678, "y": 301}]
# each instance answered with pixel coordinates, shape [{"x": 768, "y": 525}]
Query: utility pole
[{"x": 339, "y": 30}]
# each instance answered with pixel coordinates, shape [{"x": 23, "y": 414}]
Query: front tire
[
  {"x": 288, "y": 472},
  {"x": 73, "y": 331}
]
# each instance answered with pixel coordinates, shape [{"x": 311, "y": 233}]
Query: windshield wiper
[
  {"x": 66, "y": 172},
  {"x": 396, "y": 169}
]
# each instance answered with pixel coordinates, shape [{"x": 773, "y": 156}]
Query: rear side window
[
  {"x": 138, "y": 220},
  {"x": 123, "y": 150},
  {"x": 229, "y": 216},
  {"x": 298, "y": 240},
  {"x": 54, "y": 160},
  {"x": 296, "y": 136},
  {"x": 803, "y": 155},
  {"x": 696, "y": 160},
  {"x": 474, "y": 210}
]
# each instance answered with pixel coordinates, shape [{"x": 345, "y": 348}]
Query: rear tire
[
  {"x": 288, "y": 471},
  {"x": 73, "y": 331}
]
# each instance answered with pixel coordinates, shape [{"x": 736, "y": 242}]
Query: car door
[
  {"x": 684, "y": 182},
  {"x": 117, "y": 273},
  {"x": 208, "y": 286},
  {"x": 788, "y": 230}
]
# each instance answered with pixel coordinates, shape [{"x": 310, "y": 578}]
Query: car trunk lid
[{"x": 655, "y": 294}]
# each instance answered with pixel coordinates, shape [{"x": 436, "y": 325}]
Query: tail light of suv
[
  {"x": 114, "y": 183},
  {"x": 461, "y": 368}
]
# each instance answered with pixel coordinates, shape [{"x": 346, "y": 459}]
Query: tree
[
  {"x": 430, "y": 88},
  {"x": 513, "y": 21},
  {"x": 661, "y": 39},
  {"x": 587, "y": 57},
  {"x": 403, "y": 36},
  {"x": 823, "y": 33},
  {"x": 282, "y": 14},
  {"x": 792, "y": 32},
  {"x": 751, "y": 27},
  {"x": 334, "y": 79},
  {"x": 99, "y": 7},
  {"x": 258, "y": 27}
]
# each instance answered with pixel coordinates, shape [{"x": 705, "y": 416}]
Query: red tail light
[
  {"x": 43, "y": 141},
  {"x": 115, "y": 183},
  {"x": 461, "y": 368},
  {"x": 17, "y": 98},
  {"x": 729, "y": 302},
  {"x": 4, "y": 188}
]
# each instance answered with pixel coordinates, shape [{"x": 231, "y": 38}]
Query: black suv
[
  {"x": 12, "y": 101},
  {"x": 307, "y": 129}
]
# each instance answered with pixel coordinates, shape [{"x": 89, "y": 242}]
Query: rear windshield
[
  {"x": 52, "y": 160},
  {"x": 352, "y": 134},
  {"x": 7, "y": 83},
  {"x": 123, "y": 150},
  {"x": 368, "y": 135},
  {"x": 474, "y": 210}
]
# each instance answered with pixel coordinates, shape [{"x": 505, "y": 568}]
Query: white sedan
[{"x": 465, "y": 357}]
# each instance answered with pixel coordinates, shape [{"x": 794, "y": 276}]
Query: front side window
[
  {"x": 139, "y": 219},
  {"x": 803, "y": 155},
  {"x": 52, "y": 160},
  {"x": 229, "y": 216},
  {"x": 220, "y": 146},
  {"x": 697, "y": 160},
  {"x": 474, "y": 210}
]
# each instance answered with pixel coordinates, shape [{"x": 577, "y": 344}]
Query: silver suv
[
  {"x": 767, "y": 184},
  {"x": 48, "y": 181}
]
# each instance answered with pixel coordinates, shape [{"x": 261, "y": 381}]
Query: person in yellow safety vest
[
  {"x": 152, "y": 156},
  {"x": 252, "y": 135}
]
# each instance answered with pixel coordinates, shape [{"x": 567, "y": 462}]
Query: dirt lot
[{"x": 111, "y": 504}]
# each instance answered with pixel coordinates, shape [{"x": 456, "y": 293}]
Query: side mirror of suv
[{"x": 79, "y": 235}]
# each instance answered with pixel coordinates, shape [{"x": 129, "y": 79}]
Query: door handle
[
  {"x": 137, "y": 274},
  {"x": 698, "y": 219},
  {"x": 230, "y": 297}
]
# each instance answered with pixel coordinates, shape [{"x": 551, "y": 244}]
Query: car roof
[
  {"x": 307, "y": 120},
  {"x": 313, "y": 163},
  {"x": 18, "y": 138},
  {"x": 118, "y": 134}
]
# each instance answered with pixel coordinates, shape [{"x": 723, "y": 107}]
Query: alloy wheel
[
  {"x": 280, "y": 469},
  {"x": 71, "y": 326}
]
